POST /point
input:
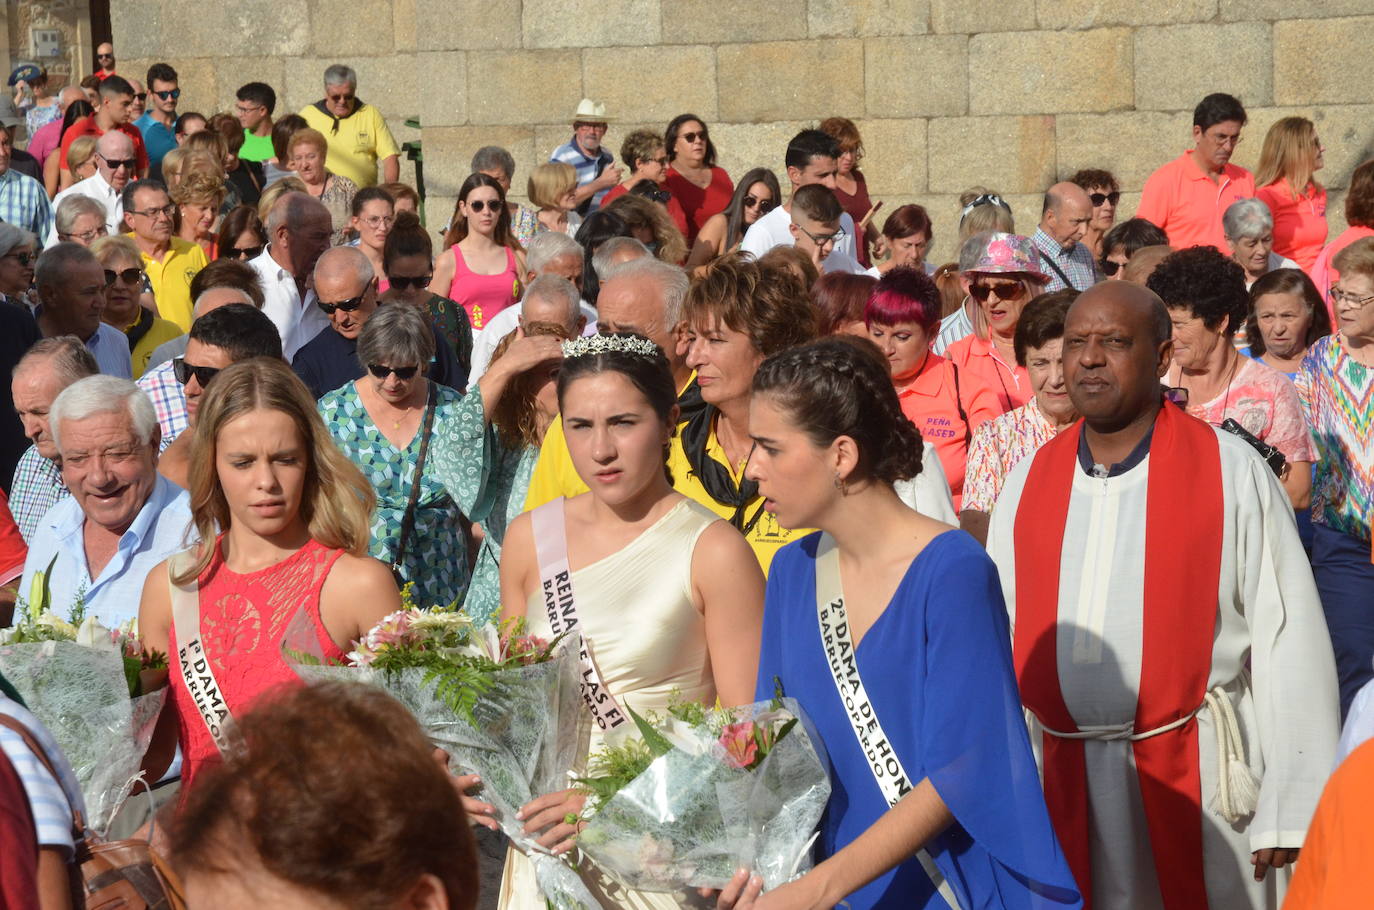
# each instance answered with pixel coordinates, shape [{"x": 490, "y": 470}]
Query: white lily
[{"x": 94, "y": 635}]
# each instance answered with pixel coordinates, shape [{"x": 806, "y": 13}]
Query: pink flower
[
  {"x": 738, "y": 742},
  {"x": 526, "y": 648}
]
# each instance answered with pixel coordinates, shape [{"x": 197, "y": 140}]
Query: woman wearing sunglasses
[
  {"x": 408, "y": 264},
  {"x": 123, "y": 307},
  {"x": 482, "y": 263},
  {"x": 756, "y": 196},
  {"x": 1104, "y": 193},
  {"x": 702, "y": 189},
  {"x": 1002, "y": 281},
  {"x": 241, "y": 235},
  {"x": 17, "y": 258}
]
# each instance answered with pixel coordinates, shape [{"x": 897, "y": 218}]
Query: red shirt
[
  {"x": 1010, "y": 381},
  {"x": 928, "y": 400},
  {"x": 1299, "y": 222},
  {"x": 86, "y": 127},
  {"x": 1185, "y": 202},
  {"x": 18, "y": 843},
  {"x": 700, "y": 204},
  {"x": 674, "y": 207},
  {"x": 13, "y": 550}
]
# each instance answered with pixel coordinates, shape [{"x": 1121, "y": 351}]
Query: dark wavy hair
[
  {"x": 675, "y": 127},
  {"x": 239, "y": 219},
  {"x": 458, "y": 227},
  {"x": 1205, "y": 283},
  {"x": 596, "y": 229},
  {"x": 1042, "y": 321},
  {"x": 1287, "y": 281},
  {"x": 734, "y": 211},
  {"x": 1131, "y": 235},
  {"x": 840, "y": 386}
]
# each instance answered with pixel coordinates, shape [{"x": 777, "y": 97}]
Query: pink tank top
[
  {"x": 483, "y": 296},
  {"x": 243, "y": 619}
]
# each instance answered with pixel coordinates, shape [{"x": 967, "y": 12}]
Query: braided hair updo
[{"x": 840, "y": 386}]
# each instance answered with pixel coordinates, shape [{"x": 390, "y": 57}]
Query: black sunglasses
[
  {"x": 405, "y": 282},
  {"x": 184, "y": 371},
  {"x": 104, "y": 56},
  {"x": 1110, "y": 267},
  {"x": 692, "y": 137},
  {"x": 765, "y": 205},
  {"x": 129, "y": 164},
  {"x": 128, "y": 276},
  {"x": 169, "y": 93},
  {"x": 478, "y": 204},
  {"x": 382, "y": 372},
  {"x": 1098, "y": 198},
  {"x": 245, "y": 252},
  {"x": 347, "y": 306},
  {"x": 22, "y": 258},
  {"x": 140, "y": 96},
  {"x": 1003, "y": 292}
]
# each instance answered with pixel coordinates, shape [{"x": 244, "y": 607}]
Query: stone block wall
[{"x": 1010, "y": 94}]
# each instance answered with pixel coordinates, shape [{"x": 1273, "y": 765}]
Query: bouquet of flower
[
  {"x": 94, "y": 690},
  {"x": 502, "y": 704},
  {"x": 701, "y": 792}
]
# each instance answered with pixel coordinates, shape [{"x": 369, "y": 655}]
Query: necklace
[{"x": 1231, "y": 377}]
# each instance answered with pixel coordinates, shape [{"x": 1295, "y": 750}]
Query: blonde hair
[
  {"x": 986, "y": 217},
  {"x": 108, "y": 247},
  {"x": 550, "y": 182},
  {"x": 171, "y": 167},
  {"x": 200, "y": 188},
  {"x": 309, "y": 136},
  {"x": 199, "y": 161},
  {"x": 1289, "y": 152},
  {"x": 337, "y": 502},
  {"x": 638, "y": 211},
  {"x": 274, "y": 191},
  {"x": 80, "y": 151}
]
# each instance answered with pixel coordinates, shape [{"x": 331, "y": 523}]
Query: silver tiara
[{"x": 606, "y": 344}]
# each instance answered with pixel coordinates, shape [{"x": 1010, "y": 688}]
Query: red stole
[{"x": 1183, "y": 533}]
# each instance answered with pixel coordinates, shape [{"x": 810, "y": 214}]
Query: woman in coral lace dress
[{"x": 292, "y": 515}]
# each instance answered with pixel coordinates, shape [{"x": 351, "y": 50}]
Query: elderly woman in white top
[{"x": 1249, "y": 228}]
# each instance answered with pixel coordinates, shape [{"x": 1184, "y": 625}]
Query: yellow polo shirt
[
  {"x": 363, "y": 139},
  {"x": 171, "y": 280}
]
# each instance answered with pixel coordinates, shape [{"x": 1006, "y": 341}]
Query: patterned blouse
[
  {"x": 997, "y": 446},
  {"x": 1337, "y": 394},
  {"x": 524, "y": 225},
  {"x": 436, "y": 557},
  {"x": 1262, "y": 400},
  {"x": 453, "y": 325},
  {"x": 338, "y": 198}
]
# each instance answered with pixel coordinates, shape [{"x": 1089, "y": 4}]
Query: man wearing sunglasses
[
  {"x": 1063, "y": 223},
  {"x": 156, "y": 124},
  {"x": 115, "y": 166},
  {"x": 113, "y": 113},
  {"x": 104, "y": 61},
  {"x": 811, "y": 158},
  {"x": 346, "y": 292},
  {"x": 359, "y": 139},
  {"x": 220, "y": 338}
]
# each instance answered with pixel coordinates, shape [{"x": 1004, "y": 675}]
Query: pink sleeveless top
[
  {"x": 243, "y": 619},
  {"x": 483, "y": 296}
]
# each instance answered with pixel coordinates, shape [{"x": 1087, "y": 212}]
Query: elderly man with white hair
[
  {"x": 1249, "y": 228},
  {"x": 358, "y": 136},
  {"x": 549, "y": 253},
  {"x": 122, "y": 519},
  {"x": 116, "y": 163},
  {"x": 299, "y": 228},
  {"x": 80, "y": 219}
]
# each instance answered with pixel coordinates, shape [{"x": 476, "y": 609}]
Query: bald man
[
  {"x": 298, "y": 230},
  {"x": 1064, "y": 222},
  {"x": 115, "y": 166},
  {"x": 1166, "y": 625},
  {"x": 345, "y": 286}
]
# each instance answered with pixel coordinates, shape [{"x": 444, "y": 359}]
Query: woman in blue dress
[{"x": 935, "y": 797}]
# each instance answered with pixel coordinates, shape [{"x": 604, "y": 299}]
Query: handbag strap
[
  {"x": 408, "y": 520},
  {"x": 78, "y": 823}
]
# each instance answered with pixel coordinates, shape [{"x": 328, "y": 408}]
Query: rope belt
[{"x": 1237, "y": 793}]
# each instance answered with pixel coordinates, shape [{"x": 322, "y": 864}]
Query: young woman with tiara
[
  {"x": 667, "y": 596},
  {"x": 889, "y": 628}
]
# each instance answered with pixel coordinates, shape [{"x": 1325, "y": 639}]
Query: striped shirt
[
  {"x": 588, "y": 169},
  {"x": 24, "y": 203},
  {"x": 37, "y": 488},
  {"x": 169, "y": 401},
  {"x": 51, "y": 800}
]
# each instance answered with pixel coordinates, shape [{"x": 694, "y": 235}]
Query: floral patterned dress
[{"x": 436, "y": 558}]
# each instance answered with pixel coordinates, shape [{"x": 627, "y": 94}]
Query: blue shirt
[
  {"x": 157, "y": 139},
  {"x": 24, "y": 203},
  {"x": 588, "y": 169},
  {"x": 110, "y": 348},
  {"x": 159, "y": 530}
]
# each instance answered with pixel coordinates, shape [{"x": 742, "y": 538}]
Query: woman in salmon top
[
  {"x": 292, "y": 515},
  {"x": 1287, "y": 183}
]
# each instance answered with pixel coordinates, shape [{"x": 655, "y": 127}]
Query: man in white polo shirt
[{"x": 812, "y": 157}]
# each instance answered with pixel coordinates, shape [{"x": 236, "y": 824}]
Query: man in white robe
[{"x": 1102, "y": 686}]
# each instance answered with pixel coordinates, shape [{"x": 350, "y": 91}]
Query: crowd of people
[{"x": 1094, "y": 497}]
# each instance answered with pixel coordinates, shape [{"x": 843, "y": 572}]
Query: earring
[{"x": 840, "y": 484}]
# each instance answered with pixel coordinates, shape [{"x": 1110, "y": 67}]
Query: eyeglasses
[
  {"x": 693, "y": 137},
  {"x": 382, "y": 372},
  {"x": 140, "y": 97},
  {"x": 115, "y": 164},
  {"x": 128, "y": 276},
  {"x": 184, "y": 371},
  {"x": 1178, "y": 395},
  {"x": 245, "y": 252},
  {"x": 1110, "y": 266},
  {"x": 765, "y": 205},
  {"x": 347, "y": 306},
  {"x": 246, "y": 108},
  {"x": 477, "y": 205},
  {"x": 165, "y": 211},
  {"x": 86, "y": 237},
  {"x": 823, "y": 239},
  {"x": 661, "y": 160},
  {"x": 1003, "y": 292},
  {"x": 377, "y": 221},
  {"x": 169, "y": 94},
  {"x": 342, "y": 98},
  {"x": 104, "y": 56},
  {"x": 21, "y": 258},
  {"x": 1340, "y": 296},
  {"x": 406, "y": 282},
  {"x": 1099, "y": 198}
]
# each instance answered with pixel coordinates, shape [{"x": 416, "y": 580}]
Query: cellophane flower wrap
[
  {"x": 723, "y": 788},
  {"x": 87, "y": 685},
  {"x": 505, "y": 707}
]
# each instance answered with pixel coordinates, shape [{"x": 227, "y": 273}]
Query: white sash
[
  {"x": 195, "y": 666},
  {"x": 555, "y": 581},
  {"x": 887, "y": 768}
]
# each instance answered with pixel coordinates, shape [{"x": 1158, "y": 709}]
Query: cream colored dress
[{"x": 649, "y": 642}]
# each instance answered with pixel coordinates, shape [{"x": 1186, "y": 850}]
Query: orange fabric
[
  {"x": 1334, "y": 870},
  {"x": 86, "y": 127},
  {"x": 928, "y": 401},
  {"x": 1299, "y": 223},
  {"x": 1324, "y": 274},
  {"x": 1010, "y": 381},
  {"x": 1185, "y": 202}
]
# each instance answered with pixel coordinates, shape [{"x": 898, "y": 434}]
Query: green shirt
[{"x": 256, "y": 148}]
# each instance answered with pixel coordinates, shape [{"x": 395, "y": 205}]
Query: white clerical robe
[{"x": 1269, "y": 621}]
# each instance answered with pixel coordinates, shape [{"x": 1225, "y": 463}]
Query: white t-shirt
[
  {"x": 839, "y": 261},
  {"x": 774, "y": 229},
  {"x": 484, "y": 342}
]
